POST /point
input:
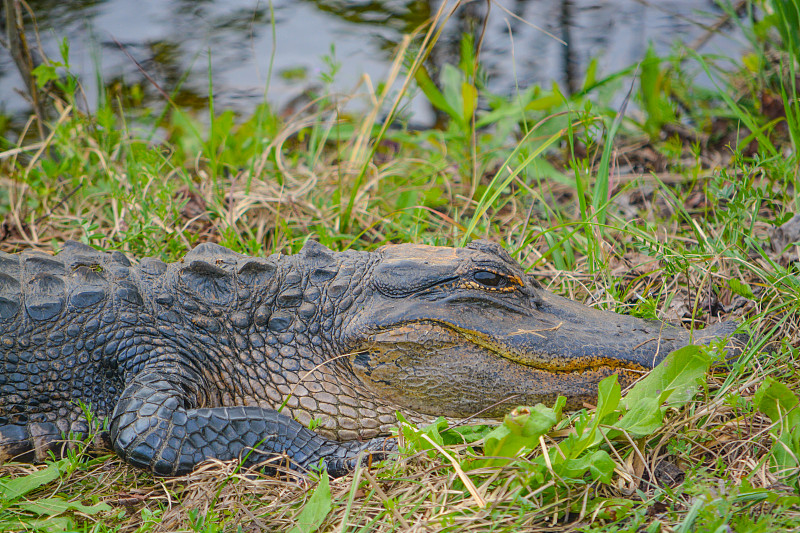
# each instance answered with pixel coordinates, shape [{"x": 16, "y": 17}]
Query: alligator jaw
[
  {"x": 456, "y": 361},
  {"x": 433, "y": 369}
]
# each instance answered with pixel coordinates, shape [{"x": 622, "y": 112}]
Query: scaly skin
[{"x": 190, "y": 361}]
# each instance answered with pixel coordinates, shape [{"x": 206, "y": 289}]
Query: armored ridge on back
[{"x": 190, "y": 360}]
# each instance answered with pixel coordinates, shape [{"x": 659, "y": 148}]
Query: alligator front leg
[{"x": 156, "y": 426}]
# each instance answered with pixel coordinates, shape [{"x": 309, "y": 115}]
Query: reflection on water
[{"x": 173, "y": 39}]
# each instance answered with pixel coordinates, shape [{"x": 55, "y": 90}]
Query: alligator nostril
[{"x": 534, "y": 297}]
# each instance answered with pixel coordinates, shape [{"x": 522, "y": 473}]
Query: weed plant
[{"x": 665, "y": 207}]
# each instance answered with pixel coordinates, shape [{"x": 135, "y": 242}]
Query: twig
[
  {"x": 59, "y": 204},
  {"x": 714, "y": 28},
  {"x": 462, "y": 476},
  {"x": 17, "y": 45},
  {"x": 385, "y": 498},
  {"x": 153, "y": 82}
]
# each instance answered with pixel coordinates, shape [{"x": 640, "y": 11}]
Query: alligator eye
[{"x": 490, "y": 279}]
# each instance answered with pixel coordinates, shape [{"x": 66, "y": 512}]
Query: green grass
[{"x": 664, "y": 210}]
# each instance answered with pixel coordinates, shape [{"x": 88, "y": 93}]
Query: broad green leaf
[
  {"x": 609, "y": 393},
  {"x": 53, "y": 524},
  {"x": 520, "y": 431},
  {"x": 432, "y": 92},
  {"x": 599, "y": 464},
  {"x": 785, "y": 455},
  {"x": 675, "y": 378},
  {"x": 451, "y": 80},
  {"x": 44, "y": 74},
  {"x": 14, "y": 488},
  {"x": 649, "y": 84},
  {"x": 547, "y": 101},
  {"x": 433, "y": 430},
  {"x": 413, "y": 436},
  {"x": 643, "y": 418},
  {"x": 462, "y": 434},
  {"x": 779, "y": 403},
  {"x": 752, "y": 62},
  {"x": 469, "y": 95},
  {"x": 55, "y": 506},
  {"x": 591, "y": 75},
  {"x": 740, "y": 288},
  {"x": 316, "y": 509},
  {"x": 544, "y": 103},
  {"x": 467, "y": 63}
]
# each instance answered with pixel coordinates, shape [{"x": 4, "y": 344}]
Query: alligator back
[
  {"x": 57, "y": 315},
  {"x": 145, "y": 348}
]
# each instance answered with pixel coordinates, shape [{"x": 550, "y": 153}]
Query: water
[{"x": 173, "y": 39}]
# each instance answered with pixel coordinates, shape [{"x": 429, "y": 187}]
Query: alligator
[{"x": 225, "y": 356}]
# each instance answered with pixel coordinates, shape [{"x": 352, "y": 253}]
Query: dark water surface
[{"x": 173, "y": 38}]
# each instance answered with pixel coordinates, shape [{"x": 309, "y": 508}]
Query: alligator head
[{"x": 456, "y": 332}]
